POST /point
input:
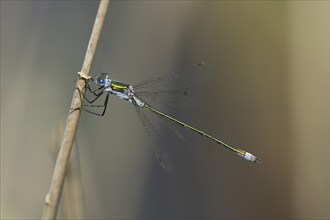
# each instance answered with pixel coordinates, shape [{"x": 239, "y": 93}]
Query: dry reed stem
[
  {"x": 72, "y": 204},
  {"x": 53, "y": 196}
]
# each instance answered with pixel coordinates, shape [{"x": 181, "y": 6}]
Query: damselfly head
[{"x": 102, "y": 79}]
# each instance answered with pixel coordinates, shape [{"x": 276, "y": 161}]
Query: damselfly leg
[{"x": 98, "y": 92}]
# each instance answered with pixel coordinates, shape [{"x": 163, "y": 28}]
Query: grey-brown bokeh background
[{"x": 269, "y": 94}]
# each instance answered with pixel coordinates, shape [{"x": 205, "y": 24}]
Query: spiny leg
[
  {"x": 97, "y": 96},
  {"x": 95, "y": 90},
  {"x": 104, "y": 106}
]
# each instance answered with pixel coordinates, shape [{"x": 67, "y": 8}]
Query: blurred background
[{"x": 269, "y": 95}]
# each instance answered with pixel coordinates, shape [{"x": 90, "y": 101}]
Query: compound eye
[{"x": 100, "y": 81}]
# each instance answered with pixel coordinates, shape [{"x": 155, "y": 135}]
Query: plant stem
[{"x": 54, "y": 194}]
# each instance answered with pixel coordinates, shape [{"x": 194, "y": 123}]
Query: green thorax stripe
[{"x": 119, "y": 86}]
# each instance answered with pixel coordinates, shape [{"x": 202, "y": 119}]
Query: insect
[{"x": 157, "y": 90}]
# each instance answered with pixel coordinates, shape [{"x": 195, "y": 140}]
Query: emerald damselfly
[{"x": 157, "y": 90}]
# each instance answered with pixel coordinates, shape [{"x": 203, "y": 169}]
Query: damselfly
[{"x": 157, "y": 89}]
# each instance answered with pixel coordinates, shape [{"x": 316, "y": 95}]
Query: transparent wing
[
  {"x": 178, "y": 80},
  {"x": 159, "y": 152},
  {"x": 172, "y": 99}
]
